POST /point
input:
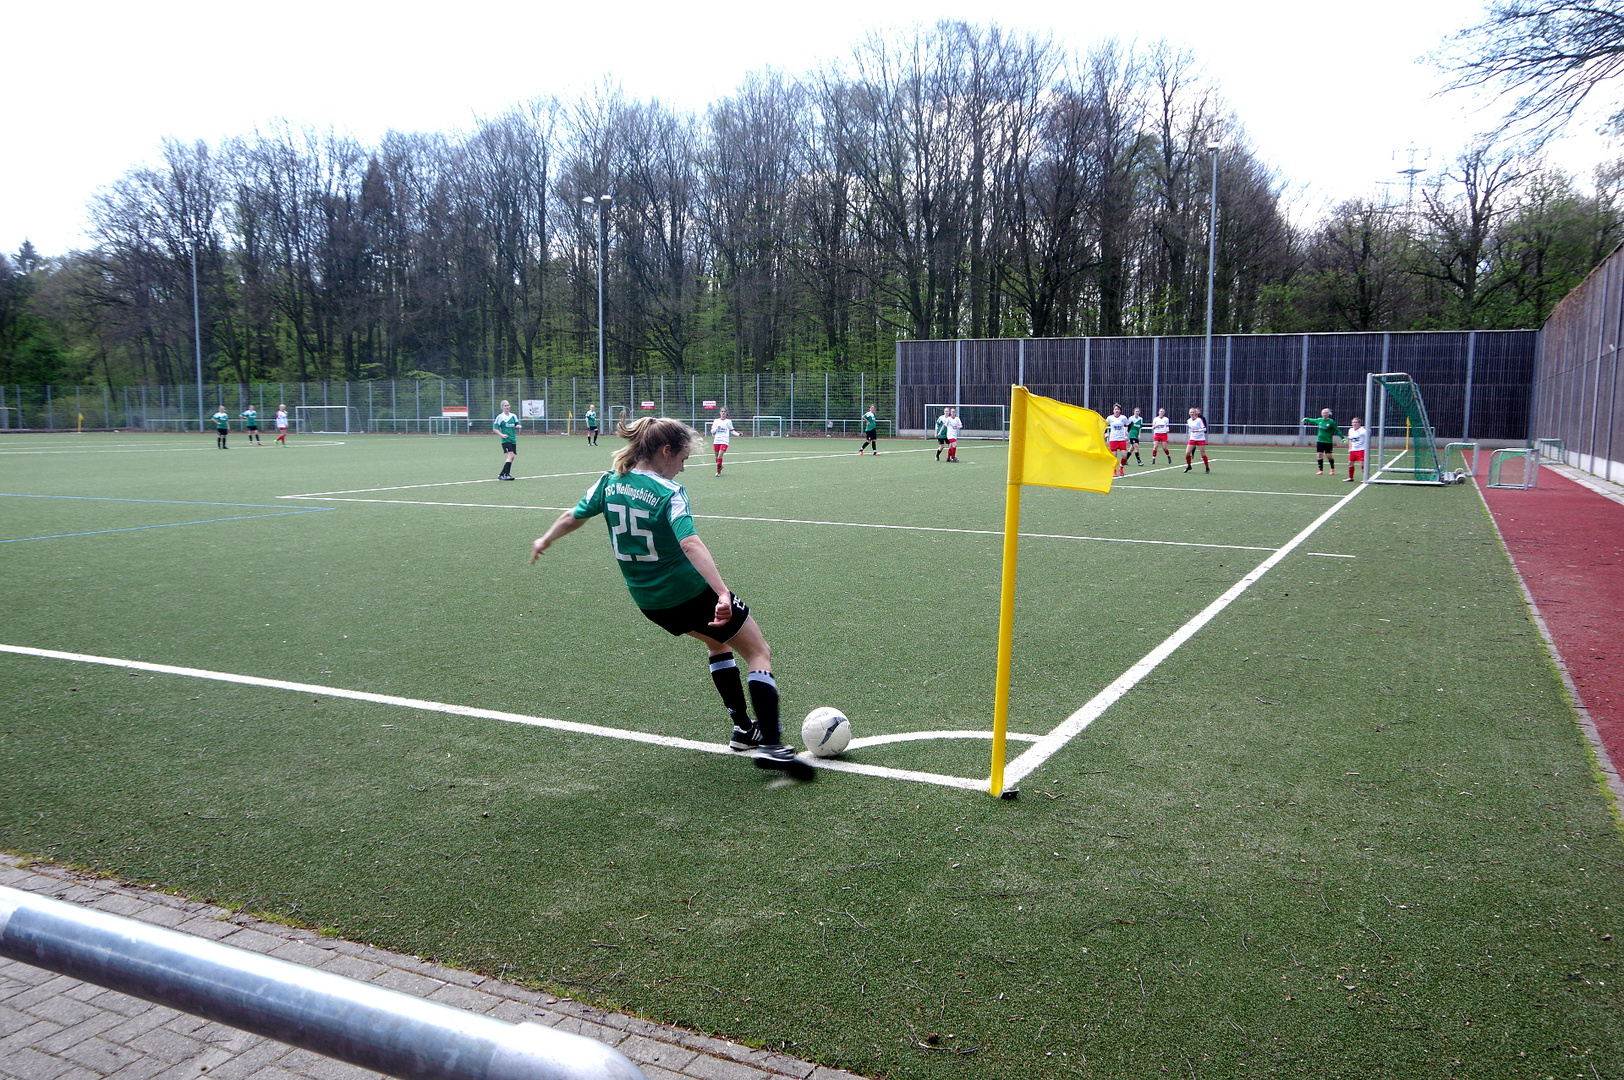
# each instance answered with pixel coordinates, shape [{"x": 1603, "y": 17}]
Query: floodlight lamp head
[{"x": 1215, "y": 145}]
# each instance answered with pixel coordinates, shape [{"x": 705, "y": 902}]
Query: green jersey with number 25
[{"x": 648, "y": 518}]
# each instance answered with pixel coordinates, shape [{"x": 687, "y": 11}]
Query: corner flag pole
[{"x": 1006, "y": 605}]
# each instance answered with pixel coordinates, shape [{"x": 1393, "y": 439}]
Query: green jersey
[
  {"x": 250, "y": 417},
  {"x": 591, "y": 418},
  {"x": 869, "y": 423},
  {"x": 507, "y": 426},
  {"x": 941, "y": 427},
  {"x": 1328, "y": 431},
  {"x": 1134, "y": 424},
  {"x": 648, "y": 519},
  {"x": 222, "y": 421}
]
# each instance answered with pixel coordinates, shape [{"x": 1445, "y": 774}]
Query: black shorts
[
  {"x": 510, "y": 448},
  {"x": 1323, "y": 448},
  {"x": 696, "y": 614},
  {"x": 1133, "y": 440},
  {"x": 941, "y": 440},
  {"x": 251, "y": 427}
]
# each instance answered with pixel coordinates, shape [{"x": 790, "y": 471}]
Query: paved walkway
[{"x": 56, "y": 1028}]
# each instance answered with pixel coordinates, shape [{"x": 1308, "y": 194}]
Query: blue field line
[
  {"x": 170, "y": 524},
  {"x": 171, "y": 502}
]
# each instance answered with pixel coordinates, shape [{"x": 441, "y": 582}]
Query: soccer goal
[
  {"x": 980, "y": 421},
  {"x": 772, "y": 425},
  {"x": 326, "y": 419},
  {"x": 1404, "y": 448}
]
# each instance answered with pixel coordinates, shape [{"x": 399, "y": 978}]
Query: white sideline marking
[
  {"x": 1069, "y": 728},
  {"x": 800, "y": 521},
  {"x": 965, "y": 783},
  {"x": 1228, "y": 491},
  {"x": 167, "y": 449}
]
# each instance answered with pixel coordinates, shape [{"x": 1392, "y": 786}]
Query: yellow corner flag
[{"x": 1051, "y": 444}]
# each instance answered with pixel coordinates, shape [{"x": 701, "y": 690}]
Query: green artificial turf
[{"x": 1349, "y": 829}]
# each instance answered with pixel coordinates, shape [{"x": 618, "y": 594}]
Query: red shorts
[
  {"x": 1356, "y": 455},
  {"x": 1197, "y": 442},
  {"x": 1159, "y": 438},
  {"x": 1117, "y": 445}
]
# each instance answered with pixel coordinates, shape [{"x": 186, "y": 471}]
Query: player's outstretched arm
[
  {"x": 699, "y": 555},
  {"x": 567, "y": 523}
]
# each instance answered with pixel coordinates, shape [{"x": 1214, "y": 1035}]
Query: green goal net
[{"x": 1404, "y": 447}]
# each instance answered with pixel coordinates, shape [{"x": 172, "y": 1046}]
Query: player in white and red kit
[
  {"x": 722, "y": 432},
  {"x": 1161, "y": 426},
  {"x": 1197, "y": 428},
  {"x": 1116, "y": 438},
  {"x": 1358, "y": 439}
]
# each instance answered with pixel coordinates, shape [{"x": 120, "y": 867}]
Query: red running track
[{"x": 1568, "y": 543}]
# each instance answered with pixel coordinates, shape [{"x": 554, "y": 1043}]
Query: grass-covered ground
[{"x": 1349, "y": 829}]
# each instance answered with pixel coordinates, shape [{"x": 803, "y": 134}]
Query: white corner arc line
[
  {"x": 964, "y": 783},
  {"x": 1073, "y": 725}
]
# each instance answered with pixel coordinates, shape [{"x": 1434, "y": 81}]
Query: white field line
[
  {"x": 802, "y": 521},
  {"x": 1216, "y": 491},
  {"x": 169, "y": 449},
  {"x": 1073, "y": 725},
  {"x": 964, "y": 783}
]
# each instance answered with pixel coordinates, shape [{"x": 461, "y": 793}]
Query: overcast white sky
[{"x": 1328, "y": 93}]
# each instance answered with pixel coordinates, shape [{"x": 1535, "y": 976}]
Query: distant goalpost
[
  {"x": 980, "y": 421},
  {"x": 326, "y": 419}
]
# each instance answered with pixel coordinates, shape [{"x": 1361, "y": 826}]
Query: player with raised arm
[
  {"x": 954, "y": 426},
  {"x": 222, "y": 427},
  {"x": 1135, "y": 422},
  {"x": 591, "y": 418},
  {"x": 1325, "y": 436},
  {"x": 507, "y": 425},
  {"x": 250, "y": 424},
  {"x": 1161, "y": 426},
  {"x": 1197, "y": 429},
  {"x": 1116, "y": 439},
  {"x": 941, "y": 431},
  {"x": 1358, "y": 441},
  {"x": 674, "y": 580},
  {"x": 871, "y": 433},
  {"x": 722, "y": 432},
  {"x": 282, "y": 424}
]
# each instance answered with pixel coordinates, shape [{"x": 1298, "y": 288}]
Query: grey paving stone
[
  {"x": 646, "y": 1051},
  {"x": 91, "y": 1027},
  {"x": 253, "y": 941},
  {"x": 654, "y": 1072},
  {"x": 28, "y": 1036},
  {"x": 822, "y": 1073},
  {"x": 141, "y": 1068},
  {"x": 64, "y": 1010},
  {"x": 353, "y": 967},
  {"x": 132, "y": 1027},
  {"x": 712, "y": 1068},
  {"x": 79, "y": 1072},
  {"x": 575, "y": 1025},
  {"x": 124, "y": 1004},
  {"x": 101, "y": 1055},
  {"x": 86, "y": 992},
  {"x": 407, "y": 983},
  {"x": 297, "y": 952},
  {"x": 516, "y": 1013},
  {"x": 205, "y": 926},
  {"x": 11, "y": 1020},
  {"x": 30, "y": 1064},
  {"x": 251, "y": 1060},
  {"x": 162, "y": 915},
  {"x": 120, "y": 903},
  {"x": 167, "y": 1045},
  {"x": 460, "y": 997},
  {"x": 274, "y": 1073}
]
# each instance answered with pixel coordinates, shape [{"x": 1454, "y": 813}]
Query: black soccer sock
[
  {"x": 764, "y": 696},
  {"x": 725, "y": 674},
  {"x": 1331, "y": 461}
]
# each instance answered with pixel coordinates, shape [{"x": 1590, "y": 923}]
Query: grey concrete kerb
[{"x": 56, "y": 1028}]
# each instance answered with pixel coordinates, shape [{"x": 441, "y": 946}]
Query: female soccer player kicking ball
[
  {"x": 722, "y": 432},
  {"x": 1197, "y": 428},
  {"x": 674, "y": 580}
]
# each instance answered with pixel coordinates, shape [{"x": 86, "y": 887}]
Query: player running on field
[
  {"x": 250, "y": 424},
  {"x": 222, "y": 427},
  {"x": 1116, "y": 439},
  {"x": 282, "y": 424},
  {"x": 674, "y": 580},
  {"x": 1325, "y": 438},
  {"x": 954, "y": 424},
  {"x": 941, "y": 431},
  {"x": 722, "y": 432},
  {"x": 1197, "y": 428},
  {"x": 591, "y": 419},
  {"x": 871, "y": 433},
  {"x": 1358, "y": 440},
  {"x": 1161, "y": 426},
  {"x": 507, "y": 425},
  {"x": 1135, "y": 423}
]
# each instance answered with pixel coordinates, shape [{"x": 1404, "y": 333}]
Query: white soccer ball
[{"x": 826, "y": 731}]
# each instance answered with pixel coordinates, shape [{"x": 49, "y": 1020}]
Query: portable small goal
[{"x": 326, "y": 419}]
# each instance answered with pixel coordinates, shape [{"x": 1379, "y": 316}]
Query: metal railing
[{"x": 365, "y": 1025}]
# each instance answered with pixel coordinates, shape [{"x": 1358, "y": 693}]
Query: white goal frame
[
  {"x": 755, "y": 426},
  {"x": 933, "y": 410},
  {"x": 319, "y": 419}
]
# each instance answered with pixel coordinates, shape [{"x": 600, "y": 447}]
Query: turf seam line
[
  {"x": 110, "y": 498},
  {"x": 1587, "y": 723},
  {"x": 168, "y": 525},
  {"x": 575, "y": 727},
  {"x": 1074, "y": 724}
]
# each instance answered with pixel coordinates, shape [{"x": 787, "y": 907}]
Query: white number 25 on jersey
[{"x": 628, "y": 517}]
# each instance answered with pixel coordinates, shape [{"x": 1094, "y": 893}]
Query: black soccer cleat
[
  {"x": 744, "y": 739},
  {"x": 781, "y": 756}
]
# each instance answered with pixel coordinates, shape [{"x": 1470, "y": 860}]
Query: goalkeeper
[{"x": 1324, "y": 441}]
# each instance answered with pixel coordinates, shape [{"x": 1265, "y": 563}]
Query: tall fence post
[
  {"x": 1466, "y": 412},
  {"x": 1302, "y": 397}
]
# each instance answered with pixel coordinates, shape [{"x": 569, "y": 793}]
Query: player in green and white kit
[
  {"x": 1135, "y": 423},
  {"x": 591, "y": 418},
  {"x": 871, "y": 433},
  {"x": 222, "y": 427},
  {"x": 507, "y": 426},
  {"x": 1324, "y": 440},
  {"x": 941, "y": 432},
  {"x": 250, "y": 424},
  {"x": 674, "y": 580}
]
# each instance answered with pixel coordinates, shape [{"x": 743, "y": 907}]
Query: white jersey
[
  {"x": 1116, "y": 428},
  {"x": 281, "y": 419},
  {"x": 1358, "y": 438},
  {"x": 1161, "y": 425},
  {"x": 722, "y": 431},
  {"x": 951, "y": 427},
  {"x": 1198, "y": 430}
]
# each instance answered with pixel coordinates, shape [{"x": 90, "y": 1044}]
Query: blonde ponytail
[{"x": 646, "y": 436}]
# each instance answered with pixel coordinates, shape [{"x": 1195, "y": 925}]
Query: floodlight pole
[
  {"x": 604, "y": 202},
  {"x": 1212, "y": 263},
  {"x": 197, "y": 334}
]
